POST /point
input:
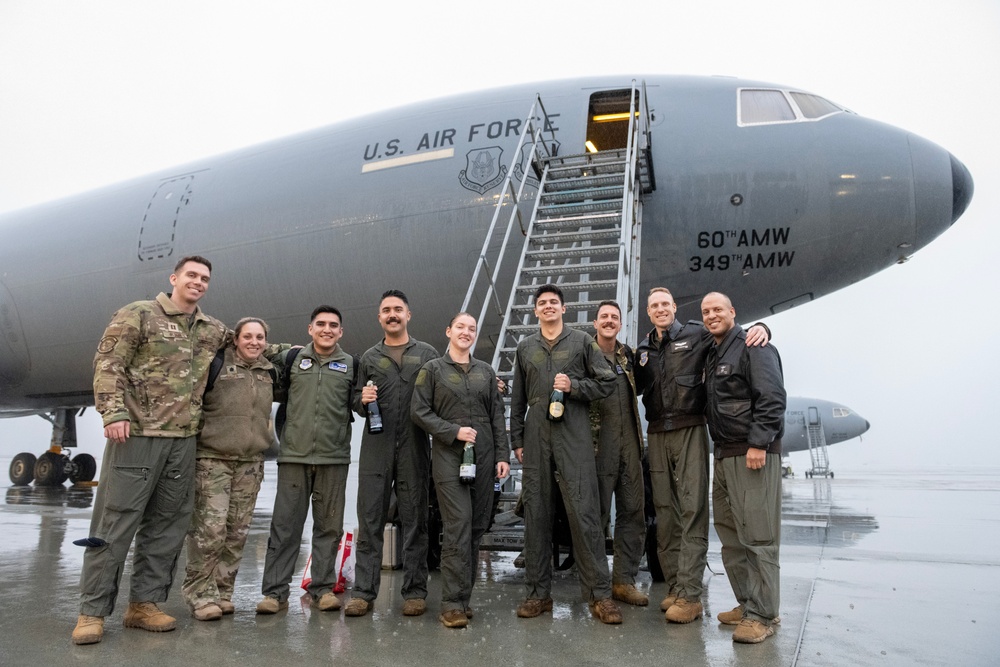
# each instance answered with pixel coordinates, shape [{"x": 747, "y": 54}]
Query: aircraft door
[
  {"x": 814, "y": 416},
  {"x": 607, "y": 120},
  {"x": 159, "y": 224}
]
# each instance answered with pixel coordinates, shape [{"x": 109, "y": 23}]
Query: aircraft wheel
[
  {"x": 84, "y": 468},
  {"x": 50, "y": 469},
  {"x": 22, "y": 469},
  {"x": 831, "y": 475}
]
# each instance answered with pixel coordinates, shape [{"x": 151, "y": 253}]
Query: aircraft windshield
[
  {"x": 758, "y": 106},
  {"x": 841, "y": 412},
  {"x": 814, "y": 106}
]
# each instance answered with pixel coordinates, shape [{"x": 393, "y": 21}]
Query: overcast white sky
[{"x": 96, "y": 92}]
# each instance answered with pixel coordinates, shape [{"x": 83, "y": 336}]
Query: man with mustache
[
  {"x": 397, "y": 458},
  {"x": 618, "y": 445}
]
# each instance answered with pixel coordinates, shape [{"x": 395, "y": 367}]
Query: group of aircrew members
[{"x": 185, "y": 404}]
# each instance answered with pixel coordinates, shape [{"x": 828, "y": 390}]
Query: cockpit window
[
  {"x": 814, "y": 106},
  {"x": 761, "y": 106},
  {"x": 841, "y": 412},
  {"x": 764, "y": 106}
]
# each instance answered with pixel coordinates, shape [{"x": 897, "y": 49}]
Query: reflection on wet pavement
[{"x": 860, "y": 554}]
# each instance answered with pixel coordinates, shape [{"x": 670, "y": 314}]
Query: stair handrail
[
  {"x": 538, "y": 148},
  {"x": 628, "y": 257}
]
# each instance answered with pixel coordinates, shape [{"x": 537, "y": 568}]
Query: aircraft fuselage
[{"x": 773, "y": 214}]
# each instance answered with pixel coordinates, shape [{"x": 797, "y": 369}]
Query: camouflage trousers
[{"x": 225, "y": 495}]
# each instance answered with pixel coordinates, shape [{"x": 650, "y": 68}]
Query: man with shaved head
[
  {"x": 669, "y": 372},
  {"x": 746, "y": 417}
]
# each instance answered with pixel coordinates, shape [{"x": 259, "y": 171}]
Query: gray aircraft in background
[{"x": 768, "y": 193}]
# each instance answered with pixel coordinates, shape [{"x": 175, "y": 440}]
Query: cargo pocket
[
  {"x": 173, "y": 490},
  {"x": 127, "y": 489},
  {"x": 757, "y": 518}
]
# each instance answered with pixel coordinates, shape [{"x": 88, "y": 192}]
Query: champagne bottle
[
  {"x": 467, "y": 470},
  {"x": 557, "y": 406},
  {"x": 374, "y": 415}
]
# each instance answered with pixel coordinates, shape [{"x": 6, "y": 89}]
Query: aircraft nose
[
  {"x": 961, "y": 188},
  {"x": 942, "y": 189},
  {"x": 867, "y": 425}
]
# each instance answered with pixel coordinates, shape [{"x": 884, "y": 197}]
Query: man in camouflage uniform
[
  {"x": 149, "y": 377},
  {"x": 618, "y": 446}
]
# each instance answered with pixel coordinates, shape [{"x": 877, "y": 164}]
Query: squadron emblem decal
[{"x": 483, "y": 170}]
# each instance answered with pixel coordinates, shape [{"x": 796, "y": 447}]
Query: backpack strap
[
  {"x": 215, "y": 368},
  {"x": 286, "y": 382}
]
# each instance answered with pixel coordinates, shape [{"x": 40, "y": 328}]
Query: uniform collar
[
  {"x": 310, "y": 351},
  {"x": 731, "y": 336}
]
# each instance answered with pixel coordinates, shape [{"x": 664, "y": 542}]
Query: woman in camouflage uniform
[{"x": 235, "y": 432}]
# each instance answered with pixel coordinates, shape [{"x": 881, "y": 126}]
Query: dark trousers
[
  {"x": 466, "y": 510},
  {"x": 619, "y": 472},
  {"x": 747, "y": 506},
  {"x": 678, "y": 474},
  {"x": 547, "y": 464},
  {"x": 299, "y": 485},
  {"x": 406, "y": 470}
]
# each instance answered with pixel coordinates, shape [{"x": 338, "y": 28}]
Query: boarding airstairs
[
  {"x": 817, "y": 449},
  {"x": 583, "y": 234}
]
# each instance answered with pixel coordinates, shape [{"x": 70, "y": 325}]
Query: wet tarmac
[{"x": 885, "y": 568}]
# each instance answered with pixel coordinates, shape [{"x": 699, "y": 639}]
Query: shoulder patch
[
  {"x": 643, "y": 358},
  {"x": 107, "y": 344}
]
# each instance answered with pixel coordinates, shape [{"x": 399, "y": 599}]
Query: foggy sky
[{"x": 89, "y": 97}]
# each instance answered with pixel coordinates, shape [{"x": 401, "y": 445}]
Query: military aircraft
[
  {"x": 811, "y": 424},
  {"x": 766, "y": 192}
]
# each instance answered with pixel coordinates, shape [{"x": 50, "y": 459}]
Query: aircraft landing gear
[
  {"x": 50, "y": 469},
  {"x": 55, "y": 466},
  {"x": 22, "y": 469},
  {"x": 84, "y": 468}
]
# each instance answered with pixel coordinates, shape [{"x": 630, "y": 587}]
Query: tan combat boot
[
  {"x": 207, "y": 612},
  {"x": 735, "y": 615},
  {"x": 271, "y": 605},
  {"x": 414, "y": 607},
  {"x": 147, "y": 616},
  {"x": 669, "y": 600},
  {"x": 684, "y": 611},
  {"x": 628, "y": 594},
  {"x": 454, "y": 618},
  {"x": 88, "y": 630},
  {"x": 606, "y": 611},
  {"x": 357, "y": 607},
  {"x": 750, "y": 631},
  {"x": 328, "y": 602},
  {"x": 533, "y": 607}
]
